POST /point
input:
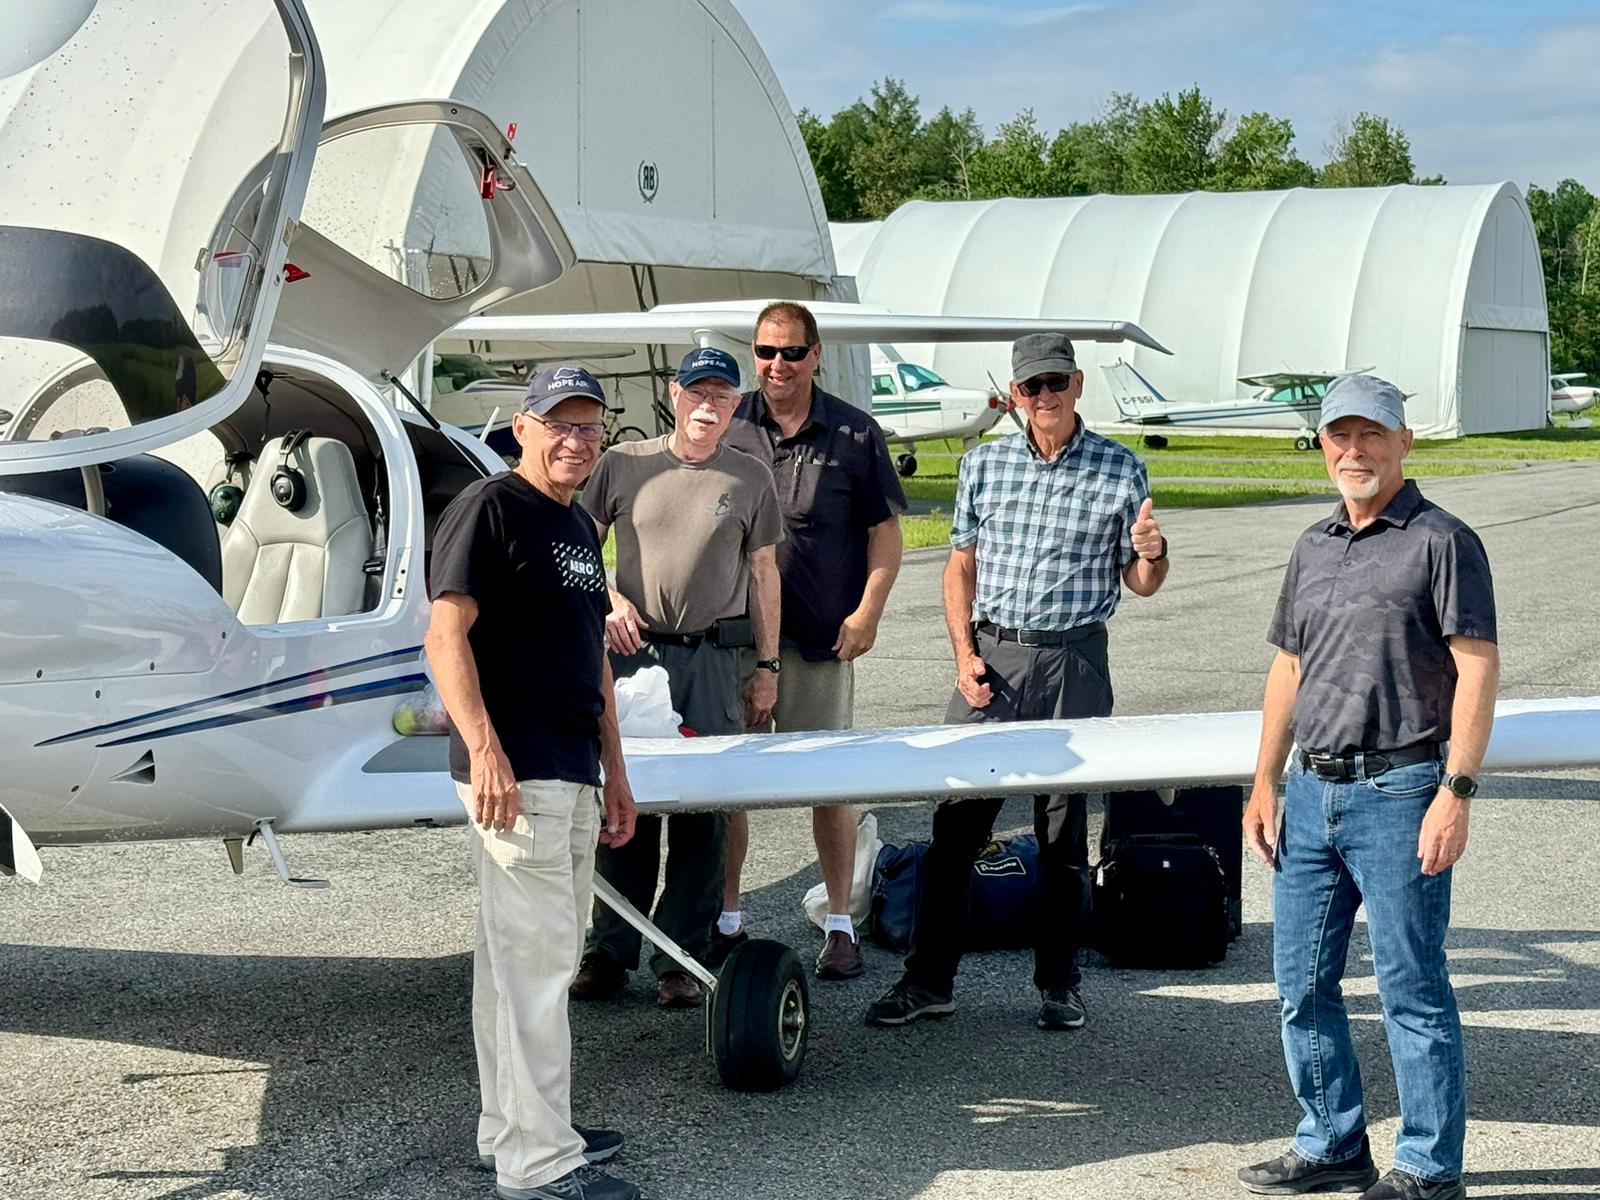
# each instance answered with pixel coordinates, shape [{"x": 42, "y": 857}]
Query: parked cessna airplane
[
  {"x": 1283, "y": 400},
  {"x": 214, "y": 524},
  {"x": 912, "y": 404},
  {"x": 1567, "y": 397}
]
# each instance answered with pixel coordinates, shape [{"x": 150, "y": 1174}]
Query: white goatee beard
[{"x": 1365, "y": 491}]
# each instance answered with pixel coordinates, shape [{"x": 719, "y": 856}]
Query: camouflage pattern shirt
[{"x": 1368, "y": 613}]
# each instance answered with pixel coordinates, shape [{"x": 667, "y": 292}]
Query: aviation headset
[
  {"x": 226, "y": 497},
  {"x": 289, "y": 484}
]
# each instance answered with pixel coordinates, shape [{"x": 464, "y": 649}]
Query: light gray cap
[{"x": 1363, "y": 396}]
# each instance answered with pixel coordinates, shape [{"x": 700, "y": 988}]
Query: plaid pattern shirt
[{"x": 1052, "y": 537}]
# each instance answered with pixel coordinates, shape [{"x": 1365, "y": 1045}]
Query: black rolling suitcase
[{"x": 1212, "y": 814}]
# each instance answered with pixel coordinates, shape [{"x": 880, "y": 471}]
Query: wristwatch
[
  {"x": 1464, "y": 786},
  {"x": 1160, "y": 556},
  {"x": 769, "y": 664}
]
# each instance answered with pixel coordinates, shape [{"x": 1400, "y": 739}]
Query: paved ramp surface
[{"x": 168, "y": 1030}]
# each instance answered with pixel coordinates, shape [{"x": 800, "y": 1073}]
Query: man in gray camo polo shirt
[{"x": 1384, "y": 687}]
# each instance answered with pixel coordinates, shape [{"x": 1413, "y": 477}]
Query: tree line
[{"x": 874, "y": 155}]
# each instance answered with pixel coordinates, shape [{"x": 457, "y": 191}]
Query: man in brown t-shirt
[{"x": 695, "y": 529}]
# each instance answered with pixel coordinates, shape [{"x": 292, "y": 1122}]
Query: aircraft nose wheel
[
  {"x": 1308, "y": 442},
  {"x": 906, "y": 464},
  {"x": 760, "y": 1017}
]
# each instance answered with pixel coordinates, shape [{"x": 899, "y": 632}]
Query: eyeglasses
[
  {"x": 1055, "y": 383},
  {"x": 723, "y": 397},
  {"x": 584, "y": 431},
  {"x": 789, "y": 354}
]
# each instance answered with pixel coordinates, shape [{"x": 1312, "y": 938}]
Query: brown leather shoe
[
  {"x": 678, "y": 989},
  {"x": 599, "y": 978},
  {"x": 840, "y": 957}
]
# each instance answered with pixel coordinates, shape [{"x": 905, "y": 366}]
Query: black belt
[
  {"x": 1365, "y": 764},
  {"x": 1043, "y": 637},
  {"x": 715, "y": 635},
  {"x": 674, "y": 639}
]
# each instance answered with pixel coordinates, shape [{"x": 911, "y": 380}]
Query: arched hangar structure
[
  {"x": 658, "y": 132},
  {"x": 1437, "y": 288}
]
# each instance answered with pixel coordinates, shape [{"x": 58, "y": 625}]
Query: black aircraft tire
[
  {"x": 906, "y": 465},
  {"x": 760, "y": 1017},
  {"x": 1155, "y": 441},
  {"x": 1303, "y": 443}
]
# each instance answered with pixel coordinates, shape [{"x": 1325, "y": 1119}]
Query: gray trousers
[
  {"x": 1029, "y": 684},
  {"x": 704, "y": 682}
]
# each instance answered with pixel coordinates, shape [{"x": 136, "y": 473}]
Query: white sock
[
  {"x": 728, "y": 923},
  {"x": 842, "y": 923}
]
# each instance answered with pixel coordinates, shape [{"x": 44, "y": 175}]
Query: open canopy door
[
  {"x": 418, "y": 215},
  {"x": 136, "y": 291}
]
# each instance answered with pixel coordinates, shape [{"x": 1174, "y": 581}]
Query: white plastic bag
[
  {"x": 644, "y": 705},
  {"x": 422, "y": 714},
  {"x": 868, "y": 844}
]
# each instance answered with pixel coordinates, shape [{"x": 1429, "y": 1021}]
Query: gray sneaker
[
  {"x": 1062, "y": 1009},
  {"x": 586, "y": 1183},
  {"x": 598, "y": 1145}
]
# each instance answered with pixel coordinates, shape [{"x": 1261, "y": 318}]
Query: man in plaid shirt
[{"x": 1049, "y": 524}]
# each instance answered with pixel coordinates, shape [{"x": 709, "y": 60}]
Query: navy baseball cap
[
  {"x": 1363, "y": 396},
  {"x": 554, "y": 384},
  {"x": 708, "y": 363}
]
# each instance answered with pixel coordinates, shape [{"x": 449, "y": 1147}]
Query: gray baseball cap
[
  {"x": 1363, "y": 396},
  {"x": 554, "y": 384},
  {"x": 1042, "y": 354}
]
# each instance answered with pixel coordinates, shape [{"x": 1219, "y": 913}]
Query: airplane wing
[
  {"x": 407, "y": 783},
  {"x": 1282, "y": 379},
  {"x": 688, "y": 325},
  {"x": 1571, "y": 376}
]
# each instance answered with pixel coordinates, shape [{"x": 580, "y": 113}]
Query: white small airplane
[
  {"x": 1567, "y": 397},
  {"x": 215, "y": 523},
  {"x": 912, "y": 404},
  {"x": 1283, "y": 400},
  {"x": 214, "y": 518}
]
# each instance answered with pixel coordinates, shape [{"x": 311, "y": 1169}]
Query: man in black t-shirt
[{"x": 516, "y": 644}]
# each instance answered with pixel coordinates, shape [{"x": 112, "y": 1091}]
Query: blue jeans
[{"x": 1341, "y": 845}]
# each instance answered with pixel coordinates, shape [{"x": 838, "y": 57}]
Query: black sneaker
[
  {"x": 905, "y": 1002},
  {"x": 586, "y": 1183},
  {"x": 1062, "y": 1009},
  {"x": 1291, "y": 1175},
  {"x": 1403, "y": 1185},
  {"x": 722, "y": 945},
  {"x": 598, "y": 1145}
]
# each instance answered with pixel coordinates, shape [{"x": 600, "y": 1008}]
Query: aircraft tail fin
[{"x": 1135, "y": 396}]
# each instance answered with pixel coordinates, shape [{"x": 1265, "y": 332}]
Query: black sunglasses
[
  {"x": 790, "y": 354},
  {"x": 1056, "y": 383}
]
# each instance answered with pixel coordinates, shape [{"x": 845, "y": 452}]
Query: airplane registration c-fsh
[{"x": 215, "y": 517}]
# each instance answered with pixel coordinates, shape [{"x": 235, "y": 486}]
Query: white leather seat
[{"x": 279, "y": 565}]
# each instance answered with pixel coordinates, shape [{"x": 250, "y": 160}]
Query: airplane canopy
[
  {"x": 140, "y": 251},
  {"x": 1439, "y": 289}
]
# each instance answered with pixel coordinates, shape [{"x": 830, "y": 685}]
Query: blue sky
[{"x": 1485, "y": 91}]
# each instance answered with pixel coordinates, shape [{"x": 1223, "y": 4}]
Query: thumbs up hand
[{"x": 1148, "y": 543}]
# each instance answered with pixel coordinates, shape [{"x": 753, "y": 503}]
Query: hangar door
[{"x": 1505, "y": 382}]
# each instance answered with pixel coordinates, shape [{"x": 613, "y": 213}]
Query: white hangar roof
[{"x": 1437, "y": 288}]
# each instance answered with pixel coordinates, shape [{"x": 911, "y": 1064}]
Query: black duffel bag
[{"x": 1160, "y": 900}]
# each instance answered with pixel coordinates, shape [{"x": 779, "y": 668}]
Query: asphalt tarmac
[{"x": 169, "y": 1030}]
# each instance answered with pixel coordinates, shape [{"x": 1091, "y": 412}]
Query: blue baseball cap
[
  {"x": 708, "y": 363},
  {"x": 1363, "y": 396},
  {"x": 554, "y": 384}
]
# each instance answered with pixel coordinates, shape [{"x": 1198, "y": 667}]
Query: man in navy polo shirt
[
  {"x": 1384, "y": 685},
  {"x": 841, "y": 501}
]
